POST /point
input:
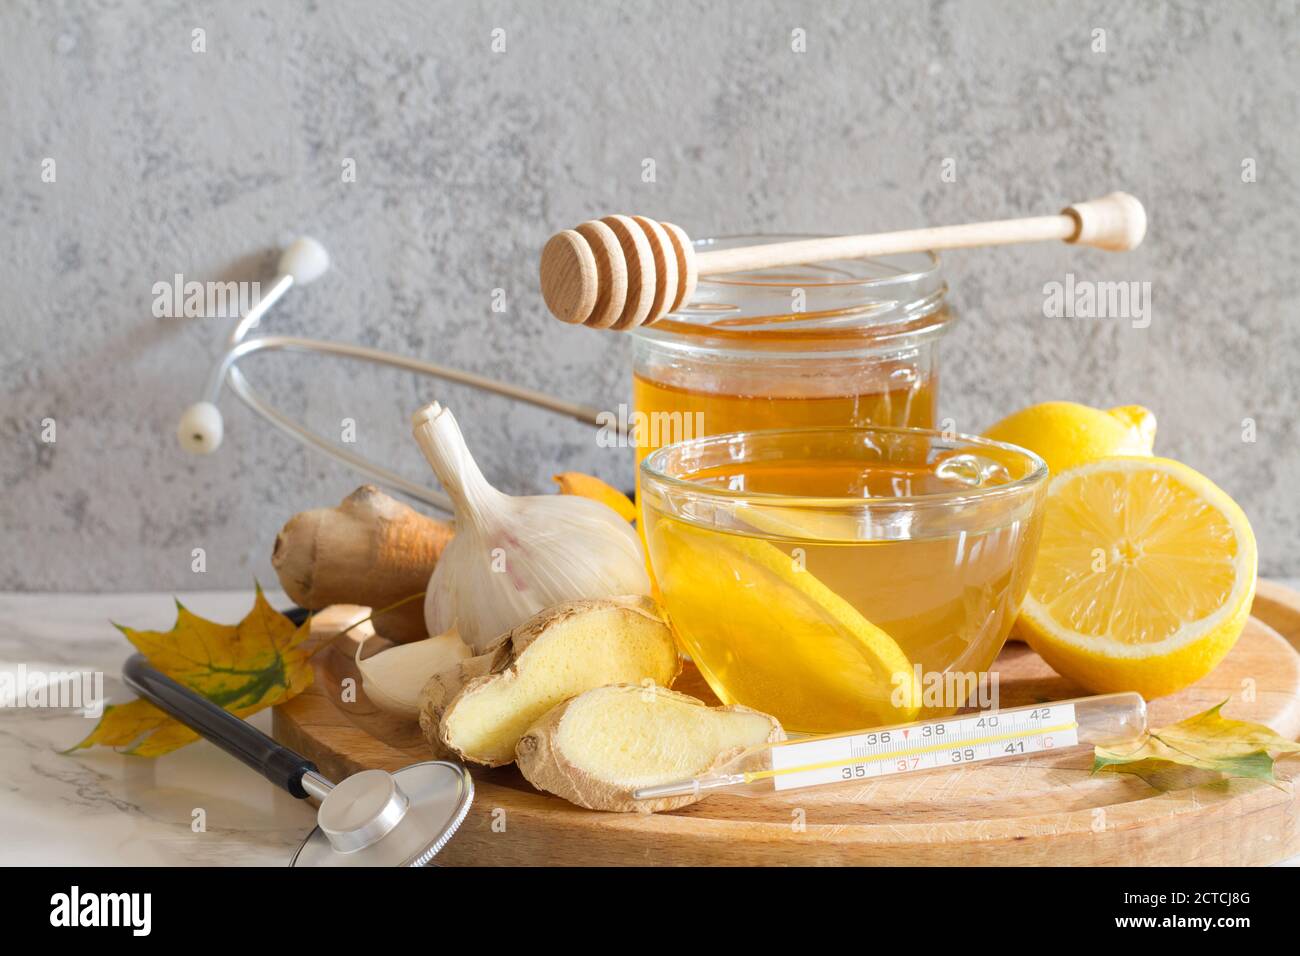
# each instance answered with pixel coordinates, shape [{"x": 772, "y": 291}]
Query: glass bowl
[{"x": 843, "y": 577}]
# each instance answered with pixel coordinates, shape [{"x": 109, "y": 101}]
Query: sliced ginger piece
[
  {"x": 595, "y": 749},
  {"x": 551, "y": 657}
]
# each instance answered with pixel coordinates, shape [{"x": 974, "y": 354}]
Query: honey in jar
[{"x": 851, "y": 342}]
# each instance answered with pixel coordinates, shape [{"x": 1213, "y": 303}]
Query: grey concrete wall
[{"x": 169, "y": 160}]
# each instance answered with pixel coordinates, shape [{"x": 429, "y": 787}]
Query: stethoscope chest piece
[
  {"x": 371, "y": 818},
  {"x": 374, "y": 818}
]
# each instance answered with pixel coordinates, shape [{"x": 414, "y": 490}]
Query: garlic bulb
[
  {"x": 393, "y": 678},
  {"x": 512, "y": 557}
]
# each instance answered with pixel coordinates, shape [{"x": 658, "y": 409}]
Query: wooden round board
[{"x": 1040, "y": 810}]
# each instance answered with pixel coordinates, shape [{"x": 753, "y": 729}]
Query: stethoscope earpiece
[{"x": 305, "y": 260}]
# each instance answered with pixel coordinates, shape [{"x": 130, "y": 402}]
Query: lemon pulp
[{"x": 1144, "y": 576}]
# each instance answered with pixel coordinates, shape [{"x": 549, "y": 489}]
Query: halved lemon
[
  {"x": 771, "y": 636},
  {"x": 1144, "y": 576}
]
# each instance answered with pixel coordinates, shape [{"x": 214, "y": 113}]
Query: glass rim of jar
[
  {"x": 877, "y": 300},
  {"x": 654, "y": 476}
]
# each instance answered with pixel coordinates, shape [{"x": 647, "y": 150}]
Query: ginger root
[
  {"x": 478, "y": 710},
  {"x": 595, "y": 749},
  {"x": 370, "y": 550}
]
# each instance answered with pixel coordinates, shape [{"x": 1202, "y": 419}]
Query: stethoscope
[
  {"x": 201, "y": 428},
  {"x": 372, "y": 818}
]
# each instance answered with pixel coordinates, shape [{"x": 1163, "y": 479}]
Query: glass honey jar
[{"x": 835, "y": 343}]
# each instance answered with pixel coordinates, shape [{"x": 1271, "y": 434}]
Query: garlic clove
[
  {"x": 513, "y": 557},
  {"x": 393, "y": 678}
]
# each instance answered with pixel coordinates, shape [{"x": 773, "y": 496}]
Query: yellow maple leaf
[
  {"x": 1204, "y": 741},
  {"x": 589, "y": 486},
  {"x": 242, "y": 667}
]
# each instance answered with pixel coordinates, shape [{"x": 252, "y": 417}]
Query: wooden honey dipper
[{"x": 622, "y": 272}]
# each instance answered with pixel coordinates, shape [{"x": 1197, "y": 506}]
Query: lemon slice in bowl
[
  {"x": 773, "y": 637},
  {"x": 1144, "y": 576},
  {"x": 799, "y": 524}
]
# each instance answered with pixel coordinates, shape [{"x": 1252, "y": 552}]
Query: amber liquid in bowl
[{"x": 812, "y": 616}]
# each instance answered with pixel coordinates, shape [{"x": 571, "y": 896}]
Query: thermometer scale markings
[{"x": 881, "y": 753}]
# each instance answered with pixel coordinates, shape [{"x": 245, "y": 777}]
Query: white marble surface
[{"x": 98, "y": 807}]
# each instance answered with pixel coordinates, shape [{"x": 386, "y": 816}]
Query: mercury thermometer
[{"x": 944, "y": 743}]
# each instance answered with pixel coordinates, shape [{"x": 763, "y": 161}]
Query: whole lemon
[{"x": 1066, "y": 434}]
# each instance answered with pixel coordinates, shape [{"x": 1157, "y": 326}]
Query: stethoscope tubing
[
  {"x": 277, "y": 763},
  {"x": 226, "y": 372}
]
